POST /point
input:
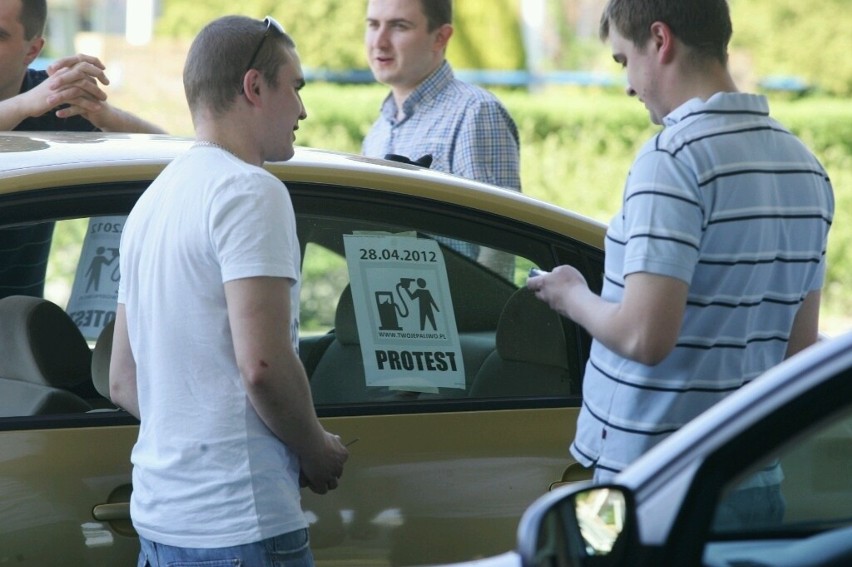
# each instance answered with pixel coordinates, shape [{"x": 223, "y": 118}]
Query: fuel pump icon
[{"x": 388, "y": 308}]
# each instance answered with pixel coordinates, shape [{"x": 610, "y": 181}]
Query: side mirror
[{"x": 578, "y": 526}]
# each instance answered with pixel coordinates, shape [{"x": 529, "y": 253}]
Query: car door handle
[
  {"x": 112, "y": 512},
  {"x": 575, "y": 472}
]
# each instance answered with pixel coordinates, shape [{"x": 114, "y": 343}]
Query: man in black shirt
[{"x": 66, "y": 97}]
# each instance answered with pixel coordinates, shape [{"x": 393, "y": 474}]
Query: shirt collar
[
  {"x": 717, "y": 102},
  {"x": 427, "y": 90}
]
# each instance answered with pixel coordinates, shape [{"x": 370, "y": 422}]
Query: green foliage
[
  {"x": 486, "y": 35},
  {"x": 577, "y": 146},
  {"x": 330, "y": 33},
  {"x": 807, "y": 39},
  {"x": 771, "y": 37}
]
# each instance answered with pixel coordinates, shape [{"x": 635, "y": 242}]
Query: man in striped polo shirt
[{"x": 715, "y": 263}]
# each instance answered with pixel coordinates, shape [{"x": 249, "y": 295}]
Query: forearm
[
  {"x": 279, "y": 392},
  {"x": 113, "y": 119},
  {"x": 606, "y": 323},
  {"x": 122, "y": 368},
  {"x": 124, "y": 395},
  {"x": 643, "y": 326},
  {"x": 13, "y": 111},
  {"x": 274, "y": 377}
]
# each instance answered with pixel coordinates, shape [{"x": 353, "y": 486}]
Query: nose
[
  {"x": 378, "y": 36},
  {"x": 629, "y": 90}
]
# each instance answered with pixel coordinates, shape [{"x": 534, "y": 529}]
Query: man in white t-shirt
[{"x": 206, "y": 333}]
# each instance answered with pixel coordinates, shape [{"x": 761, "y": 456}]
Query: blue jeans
[{"x": 287, "y": 550}]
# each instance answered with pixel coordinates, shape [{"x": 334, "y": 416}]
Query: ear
[
  {"x": 252, "y": 80},
  {"x": 34, "y": 49},
  {"x": 663, "y": 41},
  {"x": 442, "y": 37}
]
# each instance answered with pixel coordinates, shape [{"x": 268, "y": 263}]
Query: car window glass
[
  {"x": 82, "y": 272},
  {"x": 436, "y": 312},
  {"x": 806, "y": 486},
  {"x": 508, "y": 346},
  {"x": 46, "y": 357},
  {"x": 68, "y": 236}
]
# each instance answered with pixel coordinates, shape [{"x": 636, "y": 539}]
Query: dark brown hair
[{"x": 703, "y": 25}]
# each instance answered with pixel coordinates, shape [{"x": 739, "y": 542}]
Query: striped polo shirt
[{"x": 729, "y": 201}]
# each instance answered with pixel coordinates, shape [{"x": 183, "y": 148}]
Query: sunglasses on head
[{"x": 271, "y": 23}]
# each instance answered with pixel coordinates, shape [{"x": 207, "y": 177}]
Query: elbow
[
  {"x": 255, "y": 375},
  {"x": 118, "y": 393},
  {"x": 649, "y": 358},
  {"x": 650, "y": 349}
]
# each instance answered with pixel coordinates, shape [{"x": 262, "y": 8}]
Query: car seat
[
  {"x": 531, "y": 358},
  {"x": 42, "y": 355},
  {"x": 339, "y": 374}
]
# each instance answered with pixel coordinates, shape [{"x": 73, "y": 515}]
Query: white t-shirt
[{"x": 207, "y": 472}]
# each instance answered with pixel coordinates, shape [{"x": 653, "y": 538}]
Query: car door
[
  {"x": 65, "y": 476},
  {"x": 439, "y": 470},
  {"x": 437, "y": 473}
]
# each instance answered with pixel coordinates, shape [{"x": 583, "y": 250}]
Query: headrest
[
  {"x": 345, "y": 326},
  {"x": 39, "y": 343},
  {"x": 530, "y": 331},
  {"x": 100, "y": 360}
]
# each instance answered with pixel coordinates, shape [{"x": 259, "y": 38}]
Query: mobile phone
[{"x": 536, "y": 272}]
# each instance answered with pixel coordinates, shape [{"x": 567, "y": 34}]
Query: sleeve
[
  {"x": 663, "y": 217},
  {"x": 252, "y": 229},
  {"x": 488, "y": 147}
]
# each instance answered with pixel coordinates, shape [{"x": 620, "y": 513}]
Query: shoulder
[
  {"x": 472, "y": 94},
  {"x": 222, "y": 173},
  {"x": 477, "y": 103}
]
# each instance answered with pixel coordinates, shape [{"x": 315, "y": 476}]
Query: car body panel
[
  {"x": 51, "y": 481},
  {"x": 123, "y": 160}
]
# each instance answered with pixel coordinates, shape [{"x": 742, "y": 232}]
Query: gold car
[{"x": 462, "y": 411}]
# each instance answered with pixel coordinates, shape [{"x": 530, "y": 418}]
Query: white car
[{"x": 663, "y": 510}]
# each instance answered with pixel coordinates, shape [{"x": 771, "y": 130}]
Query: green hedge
[
  {"x": 577, "y": 146},
  {"x": 771, "y": 37}
]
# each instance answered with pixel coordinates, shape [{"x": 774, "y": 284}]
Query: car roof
[{"x": 31, "y": 161}]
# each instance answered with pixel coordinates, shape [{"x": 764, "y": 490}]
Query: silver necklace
[{"x": 210, "y": 144}]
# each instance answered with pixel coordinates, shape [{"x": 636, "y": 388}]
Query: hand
[
  {"x": 321, "y": 470},
  {"x": 556, "y": 287},
  {"x": 74, "y": 81}
]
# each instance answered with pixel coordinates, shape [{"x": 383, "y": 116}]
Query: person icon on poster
[
  {"x": 425, "y": 302},
  {"x": 96, "y": 266},
  {"x": 389, "y": 310}
]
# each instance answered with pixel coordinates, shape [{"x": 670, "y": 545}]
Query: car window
[
  {"x": 46, "y": 366},
  {"x": 814, "y": 487},
  {"x": 458, "y": 329},
  {"x": 83, "y": 272},
  {"x": 404, "y": 303}
]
